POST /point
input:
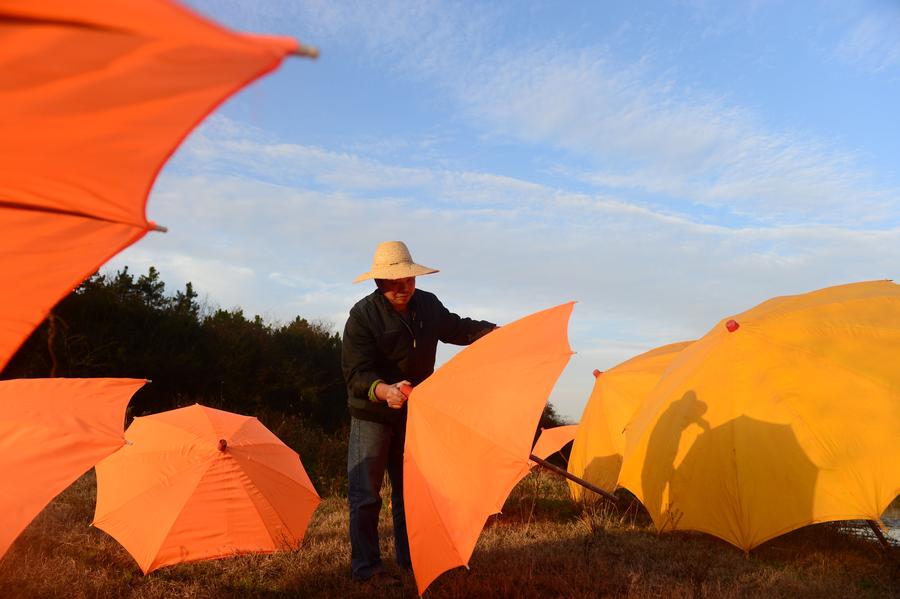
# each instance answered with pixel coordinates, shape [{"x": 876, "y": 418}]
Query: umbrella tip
[
  {"x": 732, "y": 326},
  {"x": 306, "y": 51},
  {"x": 222, "y": 444},
  {"x": 597, "y": 373}
]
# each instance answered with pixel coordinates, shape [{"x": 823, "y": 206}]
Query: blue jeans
[{"x": 375, "y": 447}]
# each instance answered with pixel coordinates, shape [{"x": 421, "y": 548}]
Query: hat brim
[{"x": 396, "y": 271}]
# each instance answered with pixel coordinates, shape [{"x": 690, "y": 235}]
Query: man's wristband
[{"x": 372, "y": 396}]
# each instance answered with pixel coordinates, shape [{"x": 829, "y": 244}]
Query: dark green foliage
[{"x": 120, "y": 325}]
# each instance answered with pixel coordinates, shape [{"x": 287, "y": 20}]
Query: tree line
[{"x": 122, "y": 325}]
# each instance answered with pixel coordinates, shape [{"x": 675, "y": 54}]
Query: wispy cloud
[
  {"x": 872, "y": 43},
  {"x": 548, "y": 244},
  {"x": 660, "y": 205},
  {"x": 642, "y": 132}
]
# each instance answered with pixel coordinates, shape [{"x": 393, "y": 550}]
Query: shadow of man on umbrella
[
  {"x": 746, "y": 481},
  {"x": 662, "y": 450}
]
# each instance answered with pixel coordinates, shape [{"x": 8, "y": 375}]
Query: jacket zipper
[{"x": 409, "y": 328}]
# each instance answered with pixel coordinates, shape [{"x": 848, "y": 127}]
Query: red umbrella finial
[
  {"x": 732, "y": 325},
  {"x": 222, "y": 444},
  {"x": 597, "y": 373}
]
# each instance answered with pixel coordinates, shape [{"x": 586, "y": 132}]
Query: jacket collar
[{"x": 386, "y": 305}]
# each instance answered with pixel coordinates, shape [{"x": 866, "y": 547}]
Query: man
[{"x": 389, "y": 345}]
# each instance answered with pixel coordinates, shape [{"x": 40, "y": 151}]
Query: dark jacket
[{"x": 379, "y": 344}]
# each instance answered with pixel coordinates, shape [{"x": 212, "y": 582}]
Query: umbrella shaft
[
  {"x": 877, "y": 530},
  {"x": 572, "y": 477}
]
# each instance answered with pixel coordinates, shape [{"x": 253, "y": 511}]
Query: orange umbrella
[
  {"x": 469, "y": 433},
  {"x": 51, "y": 432},
  {"x": 96, "y": 96},
  {"x": 553, "y": 439},
  {"x": 198, "y": 483}
]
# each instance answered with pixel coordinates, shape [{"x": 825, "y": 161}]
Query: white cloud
[
  {"x": 873, "y": 43},
  {"x": 635, "y": 127},
  {"x": 643, "y": 278},
  {"x": 642, "y": 132},
  {"x": 302, "y": 220}
]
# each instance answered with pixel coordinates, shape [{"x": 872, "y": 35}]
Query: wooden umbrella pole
[
  {"x": 877, "y": 530},
  {"x": 572, "y": 477}
]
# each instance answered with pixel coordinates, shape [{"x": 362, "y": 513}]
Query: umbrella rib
[
  {"x": 431, "y": 499},
  {"x": 272, "y": 444},
  {"x": 273, "y": 470},
  {"x": 43, "y": 21},
  {"x": 786, "y": 313},
  {"x": 826, "y": 360},
  {"x": 159, "y": 484},
  {"x": 509, "y": 452},
  {"x": 254, "y": 420},
  {"x": 491, "y": 441},
  {"x": 62, "y": 212},
  {"x": 156, "y": 421},
  {"x": 440, "y": 516},
  {"x": 178, "y": 513},
  {"x": 171, "y": 524},
  {"x": 280, "y": 475},
  {"x": 443, "y": 525}
]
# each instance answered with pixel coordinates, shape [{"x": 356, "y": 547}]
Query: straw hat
[{"x": 393, "y": 261}]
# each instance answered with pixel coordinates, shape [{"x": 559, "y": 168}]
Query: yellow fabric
[
  {"x": 600, "y": 439},
  {"x": 792, "y": 419}
]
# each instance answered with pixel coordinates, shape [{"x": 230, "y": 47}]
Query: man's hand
[{"x": 391, "y": 394}]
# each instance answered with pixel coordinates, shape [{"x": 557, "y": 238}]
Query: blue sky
[{"x": 666, "y": 164}]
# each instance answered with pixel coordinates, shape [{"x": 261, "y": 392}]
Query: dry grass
[{"x": 541, "y": 546}]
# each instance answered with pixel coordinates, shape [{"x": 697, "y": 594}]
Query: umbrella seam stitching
[
  {"x": 175, "y": 519},
  {"x": 443, "y": 522},
  {"x": 826, "y": 360},
  {"x": 491, "y": 441},
  {"x": 276, "y": 472}
]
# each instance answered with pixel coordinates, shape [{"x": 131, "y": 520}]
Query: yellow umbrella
[
  {"x": 782, "y": 416},
  {"x": 600, "y": 440}
]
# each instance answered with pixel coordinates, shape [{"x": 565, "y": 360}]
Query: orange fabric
[
  {"x": 51, "y": 432},
  {"x": 469, "y": 433},
  {"x": 553, "y": 439},
  {"x": 618, "y": 393},
  {"x": 94, "y": 98},
  {"x": 171, "y": 495},
  {"x": 788, "y": 416}
]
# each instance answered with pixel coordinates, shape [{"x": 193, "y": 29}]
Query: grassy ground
[{"x": 541, "y": 546}]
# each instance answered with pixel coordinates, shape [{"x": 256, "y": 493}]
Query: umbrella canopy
[
  {"x": 51, "y": 432},
  {"x": 785, "y": 415},
  {"x": 469, "y": 434},
  {"x": 600, "y": 440},
  {"x": 198, "y": 483},
  {"x": 96, "y": 96},
  {"x": 553, "y": 440}
]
